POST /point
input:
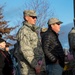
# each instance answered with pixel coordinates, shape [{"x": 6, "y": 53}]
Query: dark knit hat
[{"x": 2, "y": 40}]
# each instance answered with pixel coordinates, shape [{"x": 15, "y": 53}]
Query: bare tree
[{"x": 4, "y": 27}]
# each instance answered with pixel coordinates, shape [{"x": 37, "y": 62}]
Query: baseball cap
[
  {"x": 53, "y": 21},
  {"x": 29, "y": 13}
]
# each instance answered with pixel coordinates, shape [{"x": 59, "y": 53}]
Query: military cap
[
  {"x": 53, "y": 21},
  {"x": 29, "y": 13}
]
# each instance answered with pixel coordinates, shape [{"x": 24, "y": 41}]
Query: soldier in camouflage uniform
[{"x": 31, "y": 57}]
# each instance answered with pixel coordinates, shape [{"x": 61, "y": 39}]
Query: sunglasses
[
  {"x": 58, "y": 23},
  {"x": 34, "y": 17}
]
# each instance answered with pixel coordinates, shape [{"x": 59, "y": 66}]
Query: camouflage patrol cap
[
  {"x": 53, "y": 21},
  {"x": 29, "y": 13}
]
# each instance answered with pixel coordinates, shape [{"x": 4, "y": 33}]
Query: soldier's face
[{"x": 31, "y": 19}]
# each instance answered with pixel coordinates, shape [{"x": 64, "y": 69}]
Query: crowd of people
[{"x": 34, "y": 57}]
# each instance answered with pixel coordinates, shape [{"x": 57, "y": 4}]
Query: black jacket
[
  {"x": 52, "y": 48},
  {"x": 6, "y": 65}
]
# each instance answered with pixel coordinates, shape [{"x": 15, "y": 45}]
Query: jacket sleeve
[{"x": 46, "y": 44}]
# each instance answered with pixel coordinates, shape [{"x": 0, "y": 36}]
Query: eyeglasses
[{"x": 34, "y": 17}]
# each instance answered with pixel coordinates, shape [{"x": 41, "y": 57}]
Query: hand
[
  {"x": 38, "y": 69},
  {"x": 40, "y": 62}
]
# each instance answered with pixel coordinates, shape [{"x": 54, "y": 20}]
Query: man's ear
[{"x": 26, "y": 17}]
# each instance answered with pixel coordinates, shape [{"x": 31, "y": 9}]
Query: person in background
[
  {"x": 10, "y": 56},
  {"x": 5, "y": 60},
  {"x": 31, "y": 58},
  {"x": 52, "y": 47}
]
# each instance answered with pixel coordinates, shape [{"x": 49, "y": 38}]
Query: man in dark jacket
[{"x": 53, "y": 50}]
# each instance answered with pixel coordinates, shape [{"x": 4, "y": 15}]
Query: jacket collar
[
  {"x": 32, "y": 27},
  {"x": 50, "y": 30}
]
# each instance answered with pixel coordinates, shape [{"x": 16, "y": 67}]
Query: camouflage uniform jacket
[{"x": 30, "y": 48}]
